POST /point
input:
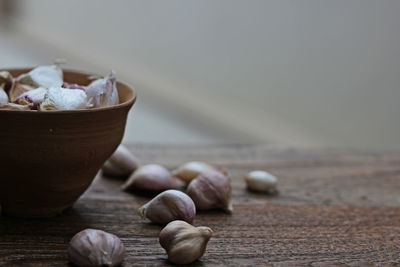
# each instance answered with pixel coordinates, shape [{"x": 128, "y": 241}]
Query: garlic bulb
[
  {"x": 96, "y": 248},
  {"x": 183, "y": 242},
  {"x": 190, "y": 170},
  {"x": 168, "y": 206},
  {"x": 151, "y": 177},
  {"x": 43, "y": 76},
  {"x": 211, "y": 190},
  {"x": 261, "y": 181},
  {"x": 121, "y": 163},
  {"x": 58, "y": 98},
  {"x": 103, "y": 92},
  {"x": 34, "y": 97},
  {"x": 3, "y": 96}
]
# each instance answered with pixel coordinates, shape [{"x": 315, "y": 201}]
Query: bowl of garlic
[{"x": 58, "y": 128}]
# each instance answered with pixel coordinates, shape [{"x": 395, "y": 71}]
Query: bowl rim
[{"x": 127, "y": 103}]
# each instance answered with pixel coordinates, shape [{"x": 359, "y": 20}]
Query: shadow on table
[{"x": 66, "y": 224}]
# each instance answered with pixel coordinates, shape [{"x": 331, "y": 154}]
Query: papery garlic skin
[
  {"x": 34, "y": 97},
  {"x": 190, "y": 170},
  {"x": 103, "y": 92},
  {"x": 12, "y": 106},
  {"x": 261, "y": 181},
  {"x": 6, "y": 81},
  {"x": 96, "y": 248},
  {"x": 151, "y": 177},
  {"x": 43, "y": 76},
  {"x": 19, "y": 89},
  {"x": 169, "y": 206},
  {"x": 183, "y": 242},
  {"x": 211, "y": 190},
  {"x": 73, "y": 86},
  {"x": 3, "y": 97},
  {"x": 58, "y": 98},
  {"x": 121, "y": 163}
]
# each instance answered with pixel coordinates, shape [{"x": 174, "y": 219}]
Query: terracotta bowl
[{"x": 48, "y": 159}]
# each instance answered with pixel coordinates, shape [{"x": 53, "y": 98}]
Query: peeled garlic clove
[
  {"x": 261, "y": 181},
  {"x": 3, "y": 96},
  {"x": 58, "y": 98},
  {"x": 211, "y": 190},
  {"x": 34, "y": 97},
  {"x": 19, "y": 89},
  {"x": 43, "y": 76},
  {"x": 151, "y": 177},
  {"x": 183, "y": 242},
  {"x": 190, "y": 170},
  {"x": 96, "y": 248},
  {"x": 103, "y": 92},
  {"x": 121, "y": 163},
  {"x": 12, "y": 106},
  {"x": 168, "y": 206},
  {"x": 6, "y": 80}
]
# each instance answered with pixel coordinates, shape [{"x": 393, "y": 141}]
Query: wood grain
[{"x": 335, "y": 208}]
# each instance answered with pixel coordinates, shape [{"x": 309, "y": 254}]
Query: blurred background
[{"x": 297, "y": 73}]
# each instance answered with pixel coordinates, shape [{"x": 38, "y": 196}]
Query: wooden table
[{"x": 335, "y": 208}]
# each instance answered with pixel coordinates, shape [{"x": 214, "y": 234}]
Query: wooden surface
[{"x": 335, "y": 208}]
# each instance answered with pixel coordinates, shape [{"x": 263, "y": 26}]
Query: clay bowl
[{"x": 48, "y": 159}]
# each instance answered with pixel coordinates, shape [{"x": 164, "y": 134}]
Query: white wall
[{"x": 310, "y": 73}]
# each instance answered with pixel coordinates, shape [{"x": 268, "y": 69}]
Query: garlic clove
[
  {"x": 261, "y": 181},
  {"x": 96, "y": 248},
  {"x": 58, "y": 98},
  {"x": 211, "y": 190},
  {"x": 6, "y": 81},
  {"x": 43, "y": 76},
  {"x": 168, "y": 206},
  {"x": 121, "y": 163},
  {"x": 19, "y": 89},
  {"x": 12, "y": 106},
  {"x": 103, "y": 92},
  {"x": 183, "y": 242},
  {"x": 34, "y": 97},
  {"x": 151, "y": 177},
  {"x": 190, "y": 170},
  {"x": 3, "y": 97}
]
